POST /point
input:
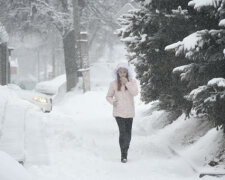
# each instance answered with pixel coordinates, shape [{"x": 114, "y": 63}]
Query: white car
[{"x": 45, "y": 103}]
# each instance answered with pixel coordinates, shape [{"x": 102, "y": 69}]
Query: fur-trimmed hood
[{"x": 122, "y": 65}]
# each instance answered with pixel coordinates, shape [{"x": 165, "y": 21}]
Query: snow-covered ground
[
  {"x": 79, "y": 140},
  {"x": 82, "y": 141}
]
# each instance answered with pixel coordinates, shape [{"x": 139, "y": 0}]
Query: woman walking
[{"x": 121, "y": 95}]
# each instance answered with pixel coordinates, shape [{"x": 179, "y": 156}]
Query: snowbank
[
  {"x": 194, "y": 142},
  {"x": 12, "y": 118},
  {"x": 11, "y": 169},
  {"x": 20, "y": 126}
]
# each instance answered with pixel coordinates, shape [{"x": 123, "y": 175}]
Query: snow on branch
[
  {"x": 62, "y": 20},
  {"x": 219, "y": 82},
  {"x": 180, "y": 11},
  {"x": 130, "y": 39},
  {"x": 209, "y": 100},
  {"x": 173, "y": 46},
  {"x": 222, "y": 23},
  {"x": 198, "y": 44},
  {"x": 211, "y": 89},
  {"x": 185, "y": 71},
  {"x": 216, "y": 4},
  {"x": 182, "y": 68},
  {"x": 198, "y": 4},
  {"x": 191, "y": 43},
  {"x": 196, "y": 92}
]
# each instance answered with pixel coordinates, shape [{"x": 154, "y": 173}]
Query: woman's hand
[
  {"x": 115, "y": 103},
  {"x": 124, "y": 80}
]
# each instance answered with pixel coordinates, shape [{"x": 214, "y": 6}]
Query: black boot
[{"x": 124, "y": 155}]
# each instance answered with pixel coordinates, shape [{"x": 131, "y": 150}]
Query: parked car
[{"x": 45, "y": 103}]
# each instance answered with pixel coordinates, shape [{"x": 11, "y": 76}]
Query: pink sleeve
[
  {"x": 110, "y": 94},
  {"x": 132, "y": 87}
]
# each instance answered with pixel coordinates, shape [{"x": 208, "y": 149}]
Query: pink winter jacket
[{"x": 125, "y": 99}]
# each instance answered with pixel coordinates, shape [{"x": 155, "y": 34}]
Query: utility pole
[
  {"x": 81, "y": 48},
  {"x": 85, "y": 62}
]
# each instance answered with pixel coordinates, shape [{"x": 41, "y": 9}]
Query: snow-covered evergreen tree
[
  {"x": 181, "y": 80},
  {"x": 205, "y": 51},
  {"x": 146, "y": 32}
]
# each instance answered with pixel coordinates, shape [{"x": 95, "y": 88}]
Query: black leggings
[{"x": 125, "y": 128}]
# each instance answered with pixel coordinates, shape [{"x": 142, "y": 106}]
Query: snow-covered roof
[
  {"x": 135, "y": 5},
  {"x": 125, "y": 9}
]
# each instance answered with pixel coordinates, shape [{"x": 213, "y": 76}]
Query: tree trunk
[
  {"x": 38, "y": 65},
  {"x": 70, "y": 62},
  {"x": 53, "y": 62},
  {"x": 4, "y": 64},
  {"x": 54, "y": 41}
]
